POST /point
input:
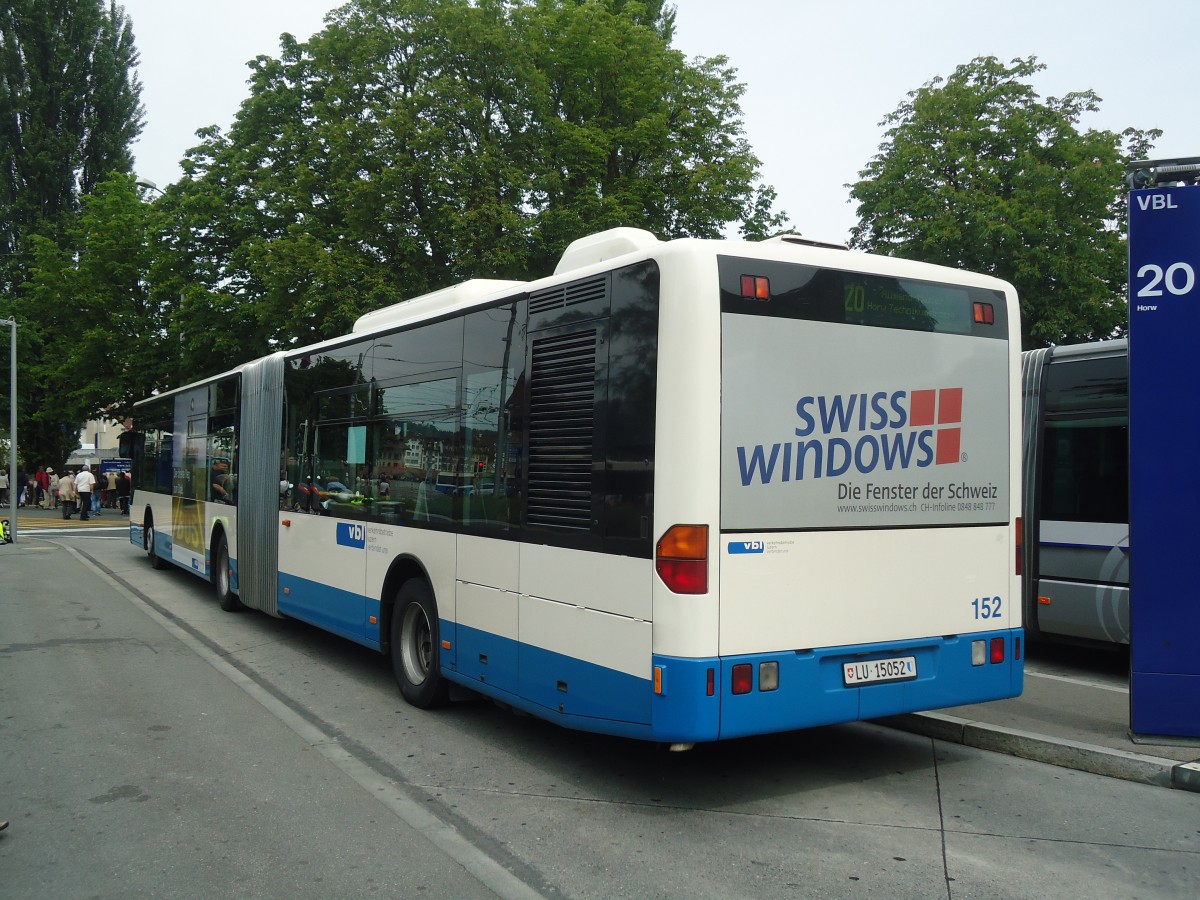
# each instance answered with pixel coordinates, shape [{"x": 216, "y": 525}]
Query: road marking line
[{"x": 1082, "y": 682}]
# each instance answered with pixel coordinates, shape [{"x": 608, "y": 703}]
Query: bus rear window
[{"x": 791, "y": 291}]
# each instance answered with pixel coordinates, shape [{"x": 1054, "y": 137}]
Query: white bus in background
[
  {"x": 678, "y": 491},
  {"x": 1076, "y": 562}
]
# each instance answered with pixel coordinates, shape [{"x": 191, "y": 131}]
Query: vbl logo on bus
[
  {"x": 859, "y": 433},
  {"x": 352, "y": 534}
]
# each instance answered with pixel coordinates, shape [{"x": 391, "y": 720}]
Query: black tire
[
  {"x": 416, "y": 646},
  {"x": 221, "y": 575},
  {"x": 156, "y": 561}
]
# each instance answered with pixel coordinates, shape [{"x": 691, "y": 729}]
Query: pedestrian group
[{"x": 71, "y": 492}]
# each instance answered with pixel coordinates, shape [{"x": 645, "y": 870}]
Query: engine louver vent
[
  {"x": 577, "y": 293},
  {"x": 562, "y": 401}
]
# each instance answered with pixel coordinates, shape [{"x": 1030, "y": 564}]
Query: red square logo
[
  {"x": 920, "y": 410},
  {"x": 948, "y": 445},
  {"x": 949, "y": 405}
]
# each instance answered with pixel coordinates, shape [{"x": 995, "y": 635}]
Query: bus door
[{"x": 323, "y": 552}]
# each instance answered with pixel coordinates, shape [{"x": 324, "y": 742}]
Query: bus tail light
[
  {"x": 681, "y": 559},
  {"x": 997, "y": 650},
  {"x": 743, "y": 678}
]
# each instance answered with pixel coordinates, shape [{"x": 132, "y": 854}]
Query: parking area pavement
[{"x": 1078, "y": 722}]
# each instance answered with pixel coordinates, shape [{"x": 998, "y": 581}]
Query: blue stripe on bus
[
  {"x": 558, "y": 684},
  {"x": 591, "y": 697},
  {"x": 341, "y": 612},
  {"x": 810, "y": 692},
  {"x": 164, "y": 544},
  {"x": 164, "y": 550}
]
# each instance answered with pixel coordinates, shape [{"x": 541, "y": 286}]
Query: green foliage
[
  {"x": 107, "y": 344},
  {"x": 415, "y": 143},
  {"x": 69, "y": 110},
  {"x": 977, "y": 171}
]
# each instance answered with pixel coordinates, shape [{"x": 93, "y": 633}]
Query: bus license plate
[{"x": 898, "y": 668}]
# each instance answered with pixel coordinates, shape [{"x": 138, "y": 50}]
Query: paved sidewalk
[{"x": 1092, "y": 738}]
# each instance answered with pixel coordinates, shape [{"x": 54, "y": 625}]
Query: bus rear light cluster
[
  {"x": 681, "y": 559},
  {"x": 987, "y": 651},
  {"x": 743, "y": 677}
]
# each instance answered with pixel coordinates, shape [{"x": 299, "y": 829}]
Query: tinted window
[
  {"x": 493, "y": 357},
  {"x": 1085, "y": 457},
  {"x": 630, "y": 419},
  {"x": 1086, "y": 471},
  {"x": 793, "y": 291},
  {"x": 1083, "y": 385}
]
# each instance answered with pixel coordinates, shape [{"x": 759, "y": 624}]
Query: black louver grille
[
  {"x": 575, "y": 294},
  {"x": 562, "y": 401}
]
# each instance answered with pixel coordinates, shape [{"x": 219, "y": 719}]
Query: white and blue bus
[
  {"x": 678, "y": 491},
  {"x": 1076, "y": 506}
]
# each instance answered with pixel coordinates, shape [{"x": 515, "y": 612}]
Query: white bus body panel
[
  {"x": 828, "y": 589},
  {"x": 864, "y": 581},
  {"x": 688, "y": 428}
]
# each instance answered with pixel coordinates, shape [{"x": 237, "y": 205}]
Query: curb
[{"x": 1055, "y": 751}]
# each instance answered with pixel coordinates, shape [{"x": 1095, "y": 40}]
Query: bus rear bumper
[{"x": 791, "y": 690}]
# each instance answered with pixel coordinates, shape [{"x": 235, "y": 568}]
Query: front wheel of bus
[
  {"x": 222, "y": 577},
  {"x": 415, "y": 646},
  {"x": 148, "y": 535}
]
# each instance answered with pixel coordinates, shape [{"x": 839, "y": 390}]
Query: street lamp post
[
  {"x": 12, "y": 427},
  {"x": 149, "y": 185}
]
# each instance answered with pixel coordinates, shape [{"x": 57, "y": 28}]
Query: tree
[
  {"x": 107, "y": 345},
  {"x": 69, "y": 111},
  {"x": 977, "y": 171},
  {"x": 415, "y": 143}
]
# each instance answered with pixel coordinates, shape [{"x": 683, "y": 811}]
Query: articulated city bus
[
  {"x": 679, "y": 491},
  {"x": 1076, "y": 564}
]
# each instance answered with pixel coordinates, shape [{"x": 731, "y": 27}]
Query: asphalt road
[{"x": 151, "y": 745}]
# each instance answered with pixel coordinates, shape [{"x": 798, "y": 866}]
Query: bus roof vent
[
  {"x": 426, "y": 305},
  {"x": 604, "y": 245},
  {"x": 804, "y": 241}
]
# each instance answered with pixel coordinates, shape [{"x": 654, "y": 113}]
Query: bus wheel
[
  {"x": 415, "y": 646},
  {"x": 221, "y": 576},
  {"x": 156, "y": 561}
]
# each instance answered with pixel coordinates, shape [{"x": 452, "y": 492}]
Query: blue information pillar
[{"x": 1164, "y": 460}]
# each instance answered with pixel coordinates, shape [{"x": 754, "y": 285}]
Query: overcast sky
[{"x": 819, "y": 76}]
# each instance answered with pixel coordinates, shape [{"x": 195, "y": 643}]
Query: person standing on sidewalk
[
  {"x": 85, "y": 482},
  {"x": 123, "y": 490},
  {"x": 3, "y": 487},
  {"x": 66, "y": 494},
  {"x": 43, "y": 487},
  {"x": 110, "y": 489}
]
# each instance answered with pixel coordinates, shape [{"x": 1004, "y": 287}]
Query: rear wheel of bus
[
  {"x": 148, "y": 536},
  {"x": 222, "y": 576},
  {"x": 416, "y": 646}
]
